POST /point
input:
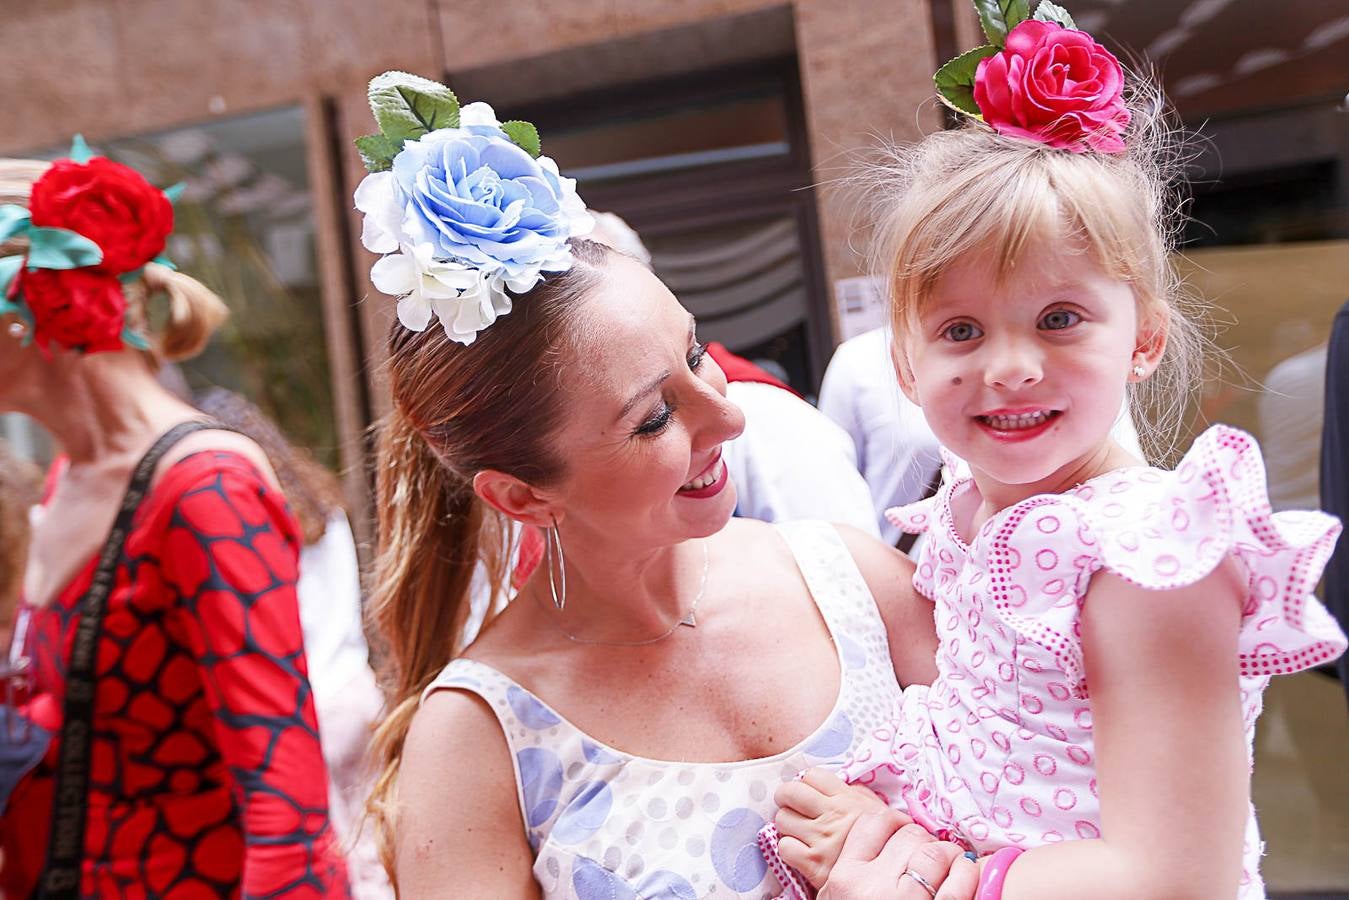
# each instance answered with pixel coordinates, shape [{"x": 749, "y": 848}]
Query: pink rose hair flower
[{"x": 1056, "y": 86}]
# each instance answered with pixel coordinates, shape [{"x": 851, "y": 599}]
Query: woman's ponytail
[
  {"x": 432, "y": 533},
  {"x": 194, "y": 314}
]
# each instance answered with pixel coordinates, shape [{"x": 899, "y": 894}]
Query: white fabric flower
[
  {"x": 463, "y": 298},
  {"x": 478, "y": 114},
  {"x": 377, "y": 197}
]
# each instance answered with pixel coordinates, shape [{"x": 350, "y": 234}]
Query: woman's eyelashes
[
  {"x": 697, "y": 355},
  {"x": 657, "y": 422},
  {"x": 661, "y": 417}
]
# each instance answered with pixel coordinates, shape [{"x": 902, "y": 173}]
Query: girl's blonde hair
[
  {"x": 194, "y": 312},
  {"x": 458, "y": 410},
  {"x": 970, "y": 190}
]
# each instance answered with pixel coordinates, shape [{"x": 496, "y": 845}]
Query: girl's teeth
[{"x": 1018, "y": 421}]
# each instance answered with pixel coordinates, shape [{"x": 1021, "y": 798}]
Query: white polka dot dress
[
  {"x": 999, "y": 750},
  {"x": 606, "y": 825}
]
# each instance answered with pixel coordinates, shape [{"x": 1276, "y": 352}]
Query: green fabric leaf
[
  {"x": 378, "y": 151},
  {"x": 9, "y": 267},
  {"x": 164, "y": 261},
  {"x": 58, "y": 248},
  {"x": 134, "y": 340},
  {"x": 955, "y": 80},
  {"x": 1000, "y": 16},
  {"x": 79, "y": 150},
  {"x": 1052, "y": 12},
  {"x": 132, "y": 276},
  {"x": 407, "y": 106},
  {"x": 14, "y": 219},
  {"x": 174, "y": 191},
  {"x": 525, "y": 136}
]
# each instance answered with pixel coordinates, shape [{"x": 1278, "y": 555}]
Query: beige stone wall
[{"x": 110, "y": 69}]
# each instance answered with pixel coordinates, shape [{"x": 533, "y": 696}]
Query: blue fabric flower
[{"x": 479, "y": 199}]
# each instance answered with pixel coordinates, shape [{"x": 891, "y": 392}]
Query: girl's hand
[
  {"x": 815, "y": 816},
  {"x": 876, "y": 859}
]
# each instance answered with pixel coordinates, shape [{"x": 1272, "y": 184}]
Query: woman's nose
[{"x": 717, "y": 418}]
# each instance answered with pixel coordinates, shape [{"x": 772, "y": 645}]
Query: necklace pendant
[{"x": 689, "y": 620}]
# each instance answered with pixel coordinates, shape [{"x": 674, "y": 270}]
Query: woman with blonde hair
[{"x": 165, "y": 740}]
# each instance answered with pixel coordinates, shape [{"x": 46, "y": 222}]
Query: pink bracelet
[{"x": 995, "y": 873}]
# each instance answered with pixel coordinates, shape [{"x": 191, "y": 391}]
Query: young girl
[{"x": 1106, "y": 628}]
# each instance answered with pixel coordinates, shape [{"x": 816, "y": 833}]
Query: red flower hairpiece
[
  {"x": 92, "y": 224},
  {"x": 1039, "y": 79}
]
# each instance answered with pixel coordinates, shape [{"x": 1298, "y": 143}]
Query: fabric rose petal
[
  {"x": 80, "y": 309},
  {"x": 1056, "y": 86},
  {"x": 109, "y": 203}
]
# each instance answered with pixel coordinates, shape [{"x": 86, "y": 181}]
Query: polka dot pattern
[
  {"x": 999, "y": 750},
  {"x": 606, "y": 824}
]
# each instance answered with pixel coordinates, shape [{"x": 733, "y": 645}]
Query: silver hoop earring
[
  {"x": 552, "y": 536},
  {"x": 1139, "y": 371}
]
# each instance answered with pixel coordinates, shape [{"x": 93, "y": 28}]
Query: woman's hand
[
  {"x": 905, "y": 863},
  {"x": 815, "y": 814}
]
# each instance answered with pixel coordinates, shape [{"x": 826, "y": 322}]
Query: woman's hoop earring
[{"x": 554, "y": 537}]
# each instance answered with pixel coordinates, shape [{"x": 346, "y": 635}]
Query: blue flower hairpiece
[{"x": 464, "y": 208}]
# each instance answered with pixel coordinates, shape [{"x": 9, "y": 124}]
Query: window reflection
[{"x": 244, "y": 226}]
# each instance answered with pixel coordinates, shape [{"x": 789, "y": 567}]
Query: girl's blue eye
[
  {"x": 963, "y": 331},
  {"x": 1059, "y": 319}
]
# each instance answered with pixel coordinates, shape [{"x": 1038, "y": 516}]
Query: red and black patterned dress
[{"x": 206, "y": 778}]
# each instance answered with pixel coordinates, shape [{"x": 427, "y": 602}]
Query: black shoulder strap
[{"x": 65, "y": 847}]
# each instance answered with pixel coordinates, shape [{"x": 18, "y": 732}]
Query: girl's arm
[
  {"x": 459, "y": 826},
  {"x": 907, "y": 614},
  {"x": 1171, "y": 759}
]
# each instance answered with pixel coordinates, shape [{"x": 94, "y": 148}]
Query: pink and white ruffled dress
[{"x": 999, "y": 750}]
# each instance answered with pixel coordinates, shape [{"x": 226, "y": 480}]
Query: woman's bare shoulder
[{"x": 456, "y": 758}]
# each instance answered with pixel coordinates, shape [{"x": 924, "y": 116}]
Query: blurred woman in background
[{"x": 167, "y": 667}]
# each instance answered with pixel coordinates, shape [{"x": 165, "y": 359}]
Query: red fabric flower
[
  {"x": 80, "y": 309},
  {"x": 1056, "y": 86},
  {"x": 110, "y": 204}
]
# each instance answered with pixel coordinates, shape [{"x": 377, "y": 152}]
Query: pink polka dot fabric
[{"x": 999, "y": 750}]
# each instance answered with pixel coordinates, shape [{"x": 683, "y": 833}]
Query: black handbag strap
[{"x": 65, "y": 847}]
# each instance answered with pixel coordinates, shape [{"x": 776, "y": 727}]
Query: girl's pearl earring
[{"x": 17, "y": 329}]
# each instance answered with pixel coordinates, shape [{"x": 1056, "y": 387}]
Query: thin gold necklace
[{"x": 688, "y": 618}]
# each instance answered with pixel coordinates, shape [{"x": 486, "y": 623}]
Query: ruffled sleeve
[
  {"x": 914, "y": 518},
  {"x": 1161, "y": 531}
]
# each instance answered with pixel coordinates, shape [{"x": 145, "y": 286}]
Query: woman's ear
[
  {"x": 1154, "y": 325},
  {"x": 514, "y": 498}
]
